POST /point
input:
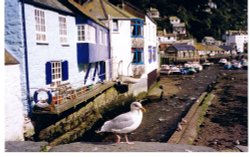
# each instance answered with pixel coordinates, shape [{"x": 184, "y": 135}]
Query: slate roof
[
  {"x": 86, "y": 11},
  {"x": 213, "y": 48},
  {"x": 227, "y": 48},
  {"x": 202, "y": 47},
  {"x": 183, "y": 47},
  {"x": 50, "y": 4},
  {"x": 102, "y": 9},
  {"x": 174, "y": 18}
]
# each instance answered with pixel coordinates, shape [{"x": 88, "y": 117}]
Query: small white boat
[
  {"x": 175, "y": 71},
  {"x": 237, "y": 65},
  {"x": 222, "y": 61},
  {"x": 165, "y": 69}
]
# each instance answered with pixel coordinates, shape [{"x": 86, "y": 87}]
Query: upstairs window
[
  {"x": 101, "y": 37},
  {"x": 137, "y": 28},
  {"x": 154, "y": 53},
  {"x": 137, "y": 56},
  {"x": 150, "y": 54},
  {"x": 105, "y": 36},
  {"x": 40, "y": 25},
  {"x": 115, "y": 26},
  {"x": 63, "y": 30},
  {"x": 86, "y": 33}
]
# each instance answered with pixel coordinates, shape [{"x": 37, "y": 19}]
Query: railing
[{"x": 66, "y": 95}]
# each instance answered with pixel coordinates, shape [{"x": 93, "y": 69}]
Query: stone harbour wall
[{"x": 77, "y": 123}]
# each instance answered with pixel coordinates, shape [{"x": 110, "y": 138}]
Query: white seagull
[{"x": 125, "y": 123}]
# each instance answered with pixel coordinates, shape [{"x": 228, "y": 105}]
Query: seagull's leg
[
  {"x": 127, "y": 141},
  {"x": 118, "y": 138}
]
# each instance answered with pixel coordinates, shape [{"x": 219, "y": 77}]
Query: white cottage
[
  {"x": 14, "y": 115},
  {"x": 144, "y": 45},
  {"x": 119, "y": 23},
  {"x": 237, "y": 39}
]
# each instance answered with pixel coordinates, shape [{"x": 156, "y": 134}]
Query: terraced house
[
  {"x": 144, "y": 45},
  {"x": 62, "y": 51}
]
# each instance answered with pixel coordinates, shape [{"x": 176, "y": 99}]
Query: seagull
[{"x": 125, "y": 123}]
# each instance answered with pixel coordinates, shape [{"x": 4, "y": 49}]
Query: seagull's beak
[{"x": 143, "y": 109}]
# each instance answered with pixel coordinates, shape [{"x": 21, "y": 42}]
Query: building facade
[{"x": 56, "y": 45}]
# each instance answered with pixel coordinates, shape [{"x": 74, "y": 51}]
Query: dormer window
[{"x": 115, "y": 26}]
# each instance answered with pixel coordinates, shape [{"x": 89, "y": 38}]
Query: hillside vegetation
[{"x": 201, "y": 20}]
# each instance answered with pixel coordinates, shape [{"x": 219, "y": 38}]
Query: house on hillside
[
  {"x": 154, "y": 13},
  {"x": 209, "y": 51},
  {"x": 61, "y": 50},
  {"x": 179, "y": 53},
  {"x": 167, "y": 38},
  {"x": 237, "y": 39},
  {"x": 179, "y": 28},
  {"x": 174, "y": 20},
  {"x": 208, "y": 40}
]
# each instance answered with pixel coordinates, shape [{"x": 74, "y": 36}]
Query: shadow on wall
[{"x": 82, "y": 67}]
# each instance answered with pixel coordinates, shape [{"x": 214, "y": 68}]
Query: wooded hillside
[{"x": 201, "y": 20}]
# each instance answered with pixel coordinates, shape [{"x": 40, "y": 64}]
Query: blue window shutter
[
  {"x": 48, "y": 73},
  {"x": 65, "y": 71}
]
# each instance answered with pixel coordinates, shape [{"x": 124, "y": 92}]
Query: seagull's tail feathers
[
  {"x": 98, "y": 131},
  {"x": 104, "y": 128}
]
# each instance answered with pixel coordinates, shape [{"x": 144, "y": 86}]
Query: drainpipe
[
  {"x": 110, "y": 48},
  {"x": 26, "y": 59}
]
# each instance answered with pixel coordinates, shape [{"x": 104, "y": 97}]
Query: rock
[
  {"x": 237, "y": 142},
  {"x": 242, "y": 148},
  {"x": 155, "y": 94},
  {"x": 162, "y": 119},
  {"x": 183, "y": 121},
  {"x": 25, "y": 146},
  {"x": 179, "y": 127},
  {"x": 192, "y": 98}
]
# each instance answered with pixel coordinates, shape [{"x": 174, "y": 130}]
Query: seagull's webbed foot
[{"x": 127, "y": 141}]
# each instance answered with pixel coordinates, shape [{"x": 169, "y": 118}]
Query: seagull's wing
[{"x": 122, "y": 121}]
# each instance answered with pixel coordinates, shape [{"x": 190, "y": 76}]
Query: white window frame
[
  {"x": 86, "y": 34},
  {"x": 101, "y": 35},
  {"x": 63, "y": 33},
  {"x": 56, "y": 71},
  {"x": 40, "y": 26},
  {"x": 105, "y": 39}
]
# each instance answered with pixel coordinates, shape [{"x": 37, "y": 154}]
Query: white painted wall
[
  {"x": 14, "y": 116},
  {"x": 121, "y": 49},
  {"x": 150, "y": 39},
  {"x": 167, "y": 39},
  {"x": 238, "y": 41},
  {"x": 38, "y": 55}
]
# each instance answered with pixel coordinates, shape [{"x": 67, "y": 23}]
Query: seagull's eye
[{"x": 136, "y": 105}]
